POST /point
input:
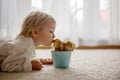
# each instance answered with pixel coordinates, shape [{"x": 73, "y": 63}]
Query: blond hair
[{"x": 34, "y": 20}]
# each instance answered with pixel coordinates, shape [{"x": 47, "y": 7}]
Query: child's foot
[{"x": 47, "y": 61}]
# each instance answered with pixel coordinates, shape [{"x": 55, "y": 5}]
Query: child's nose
[{"x": 53, "y": 35}]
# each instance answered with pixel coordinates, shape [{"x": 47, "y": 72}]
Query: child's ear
[{"x": 34, "y": 32}]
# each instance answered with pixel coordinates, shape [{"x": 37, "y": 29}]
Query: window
[
  {"x": 86, "y": 21},
  {"x": 105, "y": 19},
  {"x": 37, "y": 4},
  {"x": 79, "y": 20}
]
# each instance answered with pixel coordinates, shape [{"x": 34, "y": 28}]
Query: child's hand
[
  {"x": 46, "y": 61},
  {"x": 36, "y": 65}
]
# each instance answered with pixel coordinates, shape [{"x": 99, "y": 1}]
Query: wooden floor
[
  {"x": 100, "y": 47},
  {"x": 88, "y": 47}
]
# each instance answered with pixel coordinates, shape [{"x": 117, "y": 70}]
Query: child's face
[{"x": 46, "y": 34}]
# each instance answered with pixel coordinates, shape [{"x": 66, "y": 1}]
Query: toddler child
[{"x": 18, "y": 55}]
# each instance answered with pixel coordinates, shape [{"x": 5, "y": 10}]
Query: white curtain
[
  {"x": 12, "y": 13},
  {"x": 86, "y": 22},
  {"x": 8, "y": 19}
]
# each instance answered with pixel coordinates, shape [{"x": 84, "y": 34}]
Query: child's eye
[{"x": 51, "y": 31}]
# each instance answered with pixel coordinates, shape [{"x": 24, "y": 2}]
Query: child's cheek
[{"x": 47, "y": 37}]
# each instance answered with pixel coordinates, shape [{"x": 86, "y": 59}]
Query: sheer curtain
[
  {"x": 12, "y": 13},
  {"x": 86, "y": 22},
  {"x": 7, "y": 17}
]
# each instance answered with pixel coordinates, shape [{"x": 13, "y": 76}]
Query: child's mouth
[{"x": 53, "y": 41}]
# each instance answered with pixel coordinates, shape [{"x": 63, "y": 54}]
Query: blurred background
[{"x": 86, "y": 22}]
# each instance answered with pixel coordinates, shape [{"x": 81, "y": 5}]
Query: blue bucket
[{"x": 61, "y": 59}]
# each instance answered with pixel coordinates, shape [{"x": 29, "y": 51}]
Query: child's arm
[
  {"x": 36, "y": 65},
  {"x": 17, "y": 60}
]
